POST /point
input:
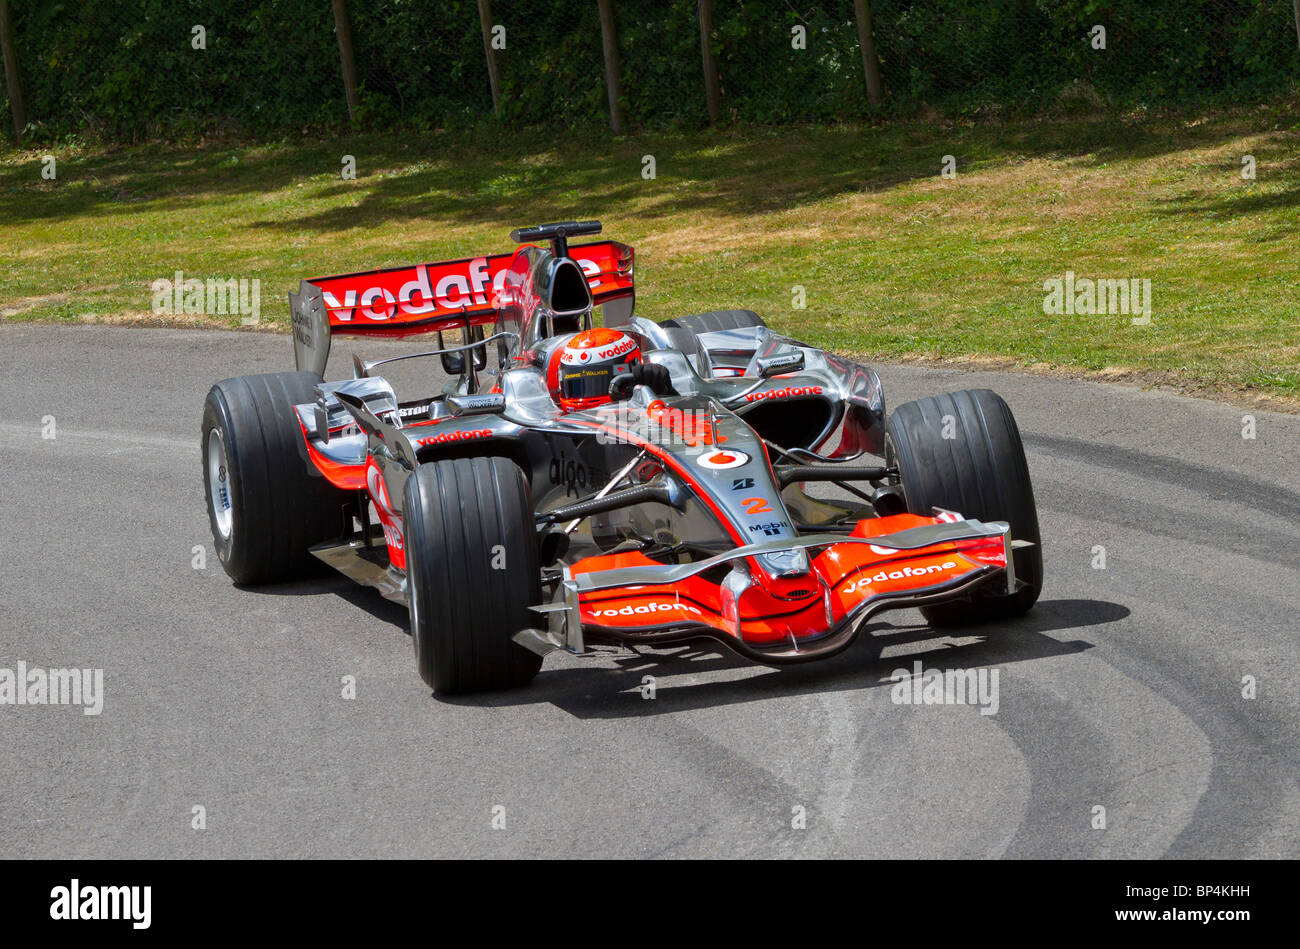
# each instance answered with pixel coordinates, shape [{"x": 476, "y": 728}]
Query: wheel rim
[{"x": 219, "y": 485}]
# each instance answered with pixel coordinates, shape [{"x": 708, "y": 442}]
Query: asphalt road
[{"x": 1122, "y": 690}]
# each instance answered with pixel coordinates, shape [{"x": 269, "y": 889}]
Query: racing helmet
[{"x": 587, "y": 363}]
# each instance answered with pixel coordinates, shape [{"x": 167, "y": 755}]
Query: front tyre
[
  {"x": 472, "y": 573},
  {"x": 961, "y": 451},
  {"x": 267, "y": 504}
]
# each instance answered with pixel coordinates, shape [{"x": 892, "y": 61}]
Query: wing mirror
[
  {"x": 780, "y": 363},
  {"x": 479, "y": 404}
]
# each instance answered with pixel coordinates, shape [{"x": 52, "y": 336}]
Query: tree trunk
[
  {"x": 12, "y": 82},
  {"x": 609, "y": 40},
  {"x": 867, "y": 41},
  {"x": 494, "y": 68},
  {"x": 712, "y": 84},
  {"x": 344, "y": 30}
]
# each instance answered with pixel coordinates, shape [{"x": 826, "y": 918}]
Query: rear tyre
[
  {"x": 684, "y": 332},
  {"x": 472, "y": 573},
  {"x": 715, "y": 321},
  {"x": 979, "y": 471},
  {"x": 267, "y": 503}
]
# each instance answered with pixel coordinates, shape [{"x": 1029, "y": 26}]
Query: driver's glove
[{"x": 655, "y": 376}]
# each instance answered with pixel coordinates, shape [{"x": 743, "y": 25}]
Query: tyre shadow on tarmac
[{"x": 364, "y": 598}]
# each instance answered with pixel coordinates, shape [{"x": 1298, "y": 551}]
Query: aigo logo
[{"x": 723, "y": 459}]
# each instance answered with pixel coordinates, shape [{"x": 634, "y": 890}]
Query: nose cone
[{"x": 786, "y": 574}]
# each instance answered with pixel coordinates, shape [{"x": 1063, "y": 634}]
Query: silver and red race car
[{"x": 628, "y": 483}]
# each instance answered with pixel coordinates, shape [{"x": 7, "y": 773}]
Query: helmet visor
[{"x": 585, "y": 382}]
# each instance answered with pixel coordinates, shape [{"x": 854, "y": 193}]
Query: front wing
[{"x": 886, "y": 563}]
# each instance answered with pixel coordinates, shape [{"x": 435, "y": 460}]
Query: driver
[{"x": 584, "y": 366}]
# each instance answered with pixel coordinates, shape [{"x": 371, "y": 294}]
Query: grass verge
[{"x": 894, "y": 260}]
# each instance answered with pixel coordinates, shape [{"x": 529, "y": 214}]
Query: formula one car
[{"x": 631, "y": 483}]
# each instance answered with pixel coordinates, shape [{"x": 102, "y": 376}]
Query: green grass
[{"x": 895, "y": 261}]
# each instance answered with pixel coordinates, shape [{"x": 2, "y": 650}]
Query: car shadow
[
  {"x": 364, "y": 598},
  {"x": 604, "y": 693}
]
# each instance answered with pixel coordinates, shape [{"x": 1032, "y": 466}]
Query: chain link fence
[{"x": 125, "y": 69}]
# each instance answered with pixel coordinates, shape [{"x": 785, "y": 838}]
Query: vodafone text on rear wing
[{"x": 429, "y": 298}]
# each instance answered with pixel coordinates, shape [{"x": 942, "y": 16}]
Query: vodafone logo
[
  {"x": 622, "y": 347},
  {"x": 863, "y": 584},
  {"x": 453, "y": 437},
  {"x": 434, "y": 288},
  {"x": 646, "y": 609},
  {"x": 443, "y": 288},
  {"x": 789, "y": 392},
  {"x": 618, "y": 349},
  {"x": 721, "y": 459}
]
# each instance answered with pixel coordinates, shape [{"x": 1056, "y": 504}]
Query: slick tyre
[
  {"x": 472, "y": 573},
  {"x": 717, "y": 320},
  {"x": 961, "y": 451},
  {"x": 267, "y": 503}
]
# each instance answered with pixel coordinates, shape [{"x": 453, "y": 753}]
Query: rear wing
[{"x": 430, "y": 298}]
